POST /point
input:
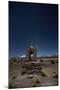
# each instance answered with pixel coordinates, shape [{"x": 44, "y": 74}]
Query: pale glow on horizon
[{"x": 23, "y": 55}]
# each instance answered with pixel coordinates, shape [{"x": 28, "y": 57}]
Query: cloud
[{"x": 23, "y": 55}]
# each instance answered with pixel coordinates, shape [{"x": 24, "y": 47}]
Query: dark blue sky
[{"x": 37, "y": 23}]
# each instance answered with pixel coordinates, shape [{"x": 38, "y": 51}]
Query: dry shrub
[
  {"x": 35, "y": 81},
  {"x": 23, "y": 71},
  {"x": 14, "y": 77},
  {"x": 55, "y": 76},
  {"x": 43, "y": 74},
  {"x": 30, "y": 76},
  {"x": 52, "y": 62}
]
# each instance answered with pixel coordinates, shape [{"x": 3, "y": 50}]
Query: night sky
[{"x": 36, "y": 23}]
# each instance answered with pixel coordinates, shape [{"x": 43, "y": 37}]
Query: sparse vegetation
[
  {"x": 38, "y": 72},
  {"x": 55, "y": 76},
  {"x": 52, "y": 62},
  {"x": 34, "y": 84},
  {"x": 43, "y": 74},
  {"x": 41, "y": 60},
  {"x": 30, "y": 71},
  {"x": 30, "y": 76},
  {"x": 14, "y": 77},
  {"x": 19, "y": 68},
  {"x": 35, "y": 81},
  {"x": 23, "y": 72}
]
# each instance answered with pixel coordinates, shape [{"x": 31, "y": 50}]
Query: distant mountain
[
  {"x": 23, "y": 57},
  {"x": 15, "y": 58}
]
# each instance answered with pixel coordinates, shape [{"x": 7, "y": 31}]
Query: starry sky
[{"x": 33, "y": 22}]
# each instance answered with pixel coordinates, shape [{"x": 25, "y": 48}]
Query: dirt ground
[{"x": 40, "y": 74}]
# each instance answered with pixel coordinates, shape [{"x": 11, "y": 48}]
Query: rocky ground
[{"x": 32, "y": 74}]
